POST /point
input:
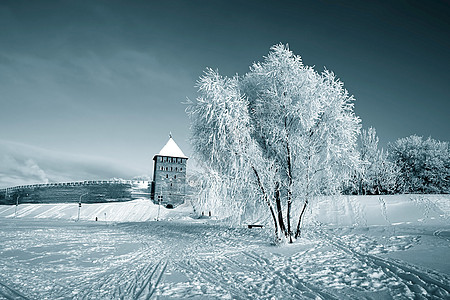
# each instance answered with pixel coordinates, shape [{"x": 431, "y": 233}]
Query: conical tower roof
[{"x": 171, "y": 149}]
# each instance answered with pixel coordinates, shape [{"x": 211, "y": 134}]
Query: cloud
[
  {"x": 30, "y": 168},
  {"x": 24, "y": 164},
  {"x": 18, "y": 172}
]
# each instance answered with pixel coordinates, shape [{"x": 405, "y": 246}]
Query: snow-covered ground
[
  {"x": 394, "y": 247},
  {"x": 131, "y": 211}
]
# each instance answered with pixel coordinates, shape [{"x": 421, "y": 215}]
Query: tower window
[
  {"x": 161, "y": 159},
  {"x": 175, "y": 176},
  {"x": 181, "y": 169},
  {"x": 171, "y": 169},
  {"x": 176, "y": 169},
  {"x": 167, "y": 175}
]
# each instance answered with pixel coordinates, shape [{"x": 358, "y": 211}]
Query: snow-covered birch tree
[{"x": 285, "y": 126}]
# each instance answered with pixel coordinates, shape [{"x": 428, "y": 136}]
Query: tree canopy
[
  {"x": 283, "y": 129},
  {"x": 424, "y": 164}
]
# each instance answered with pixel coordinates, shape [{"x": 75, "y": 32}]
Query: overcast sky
[{"x": 91, "y": 89}]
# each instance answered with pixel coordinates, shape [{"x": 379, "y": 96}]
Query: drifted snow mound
[
  {"x": 331, "y": 210},
  {"x": 379, "y": 210},
  {"x": 131, "y": 211}
]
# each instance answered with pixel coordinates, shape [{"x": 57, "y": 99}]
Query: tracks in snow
[
  {"x": 251, "y": 275},
  {"x": 124, "y": 282},
  {"x": 189, "y": 261},
  {"x": 442, "y": 234},
  {"x": 10, "y": 293},
  {"x": 289, "y": 277},
  {"x": 415, "y": 282}
]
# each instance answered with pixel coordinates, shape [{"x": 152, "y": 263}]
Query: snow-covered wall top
[{"x": 76, "y": 183}]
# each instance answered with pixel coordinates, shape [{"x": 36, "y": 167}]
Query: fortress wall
[{"x": 67, "y": 192}]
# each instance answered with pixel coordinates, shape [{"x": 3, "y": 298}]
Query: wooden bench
[{"x": 255, "y": 226}]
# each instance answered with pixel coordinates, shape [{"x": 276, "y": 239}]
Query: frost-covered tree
[
  {"x": 304, "y": 122},
  {"x": 388, "y": 180},
  {"x": 424, "y": 164},
  {"x": 376, "y": 173},
  {"x": 222, "y": 142},
  {"x": 282, "y": 127}
]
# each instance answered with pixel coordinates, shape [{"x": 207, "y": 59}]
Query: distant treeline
[{"x": 410, "y": 165}]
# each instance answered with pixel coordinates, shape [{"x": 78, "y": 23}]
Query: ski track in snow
[
  {"x": 201, "y": 259},
  {"x": 125, "y": 281},
  {"x": 443, "y": 234},
  {"x": 9, "y": 293}
]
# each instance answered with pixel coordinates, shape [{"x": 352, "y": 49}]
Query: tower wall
[{"x": 169, "y": 179}]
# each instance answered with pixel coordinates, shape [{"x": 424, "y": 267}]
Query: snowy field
[{"x": 395, "y": 247}]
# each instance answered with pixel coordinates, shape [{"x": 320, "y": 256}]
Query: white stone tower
[{"x": 169, "y": 175}]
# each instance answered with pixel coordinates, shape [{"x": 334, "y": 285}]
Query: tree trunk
[
  {"x": 288, "y": 217},
  {"x": 297, "y": 232},
  {"x": 266, "y": 199},
  {"x": 289, "y": 169},
  {"x": 289, "y": 201},
  {"x": 280, "y": 212},
  {"x": 308, "y": 180}
]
